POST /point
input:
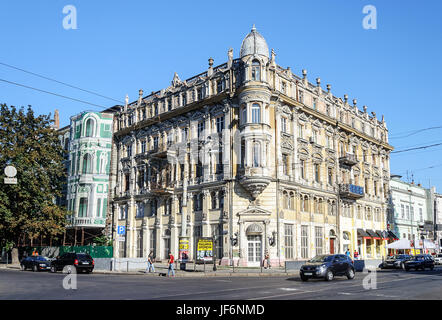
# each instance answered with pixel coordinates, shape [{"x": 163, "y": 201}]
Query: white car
[{"x": 438, "y": 258}]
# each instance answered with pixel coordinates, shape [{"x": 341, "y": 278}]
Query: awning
[
  {"x": 373, "y": 234},
  {"x": 380, "y": 234},
  {"x": 363, "y": 234},
  {"x": 401, "y": 244},
  {"x": 392, "y": 235},
  {"x": 385, "y": 235}
]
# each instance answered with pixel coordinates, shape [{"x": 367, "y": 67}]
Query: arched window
[
  {"x": 87, "y": 163},
  {"x": 256, "y": 154},
  {"x": 256, "y": 113},
  {"x": 256, "y": 70},
  {"x": 89, "y": 128}
]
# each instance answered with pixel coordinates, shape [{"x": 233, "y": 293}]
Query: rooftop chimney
[{"x": 56, "y": 119}]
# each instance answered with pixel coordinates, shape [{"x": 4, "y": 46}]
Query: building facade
[
  {"x": 438, "y": 220},
  {"x": 88, "y": 142},
  {"x": 412, "y": 210},
  {"x": 250, "y": 152}
]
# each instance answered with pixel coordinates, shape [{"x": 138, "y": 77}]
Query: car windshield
[
  {"x": 400, "y": 256},
  {"x": 418, "y": 258},
  {"x": 83, "y": 256},
  {"x": 322, "y": 258},
  {"x": 439, "y": 255},
  {"x": 40, "y": 258}
]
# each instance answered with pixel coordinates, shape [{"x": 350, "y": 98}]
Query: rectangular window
[
  {"x": 304, "y": 242},
  {"x": 284, "y": 124},
  {"x": 219, "y": 124},
  {"x": 317, "y": 173},
  {"x": 83, "y": 208},
  {"x": 285, "y": 164},
  {"x": 302, "y": 167},
  {"x": 315, "y": 104},
  {"x": 319, "y": 240},
  {"x": 200, "y": 129},
  {"x": 219, "y": 86},
  {"x": 301, "y": 131},
  {"x": 98, "y": 207},
  {"x": 155, "y": 143},
  {"x": 288, "y": 241},
  {"x": 283, "y": 87},
  {"x": 129, "y": 150},
  {"x": 143, "y": 146}
]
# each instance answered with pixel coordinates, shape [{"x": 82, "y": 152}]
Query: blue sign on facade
[{"x": 121, "y": 230}]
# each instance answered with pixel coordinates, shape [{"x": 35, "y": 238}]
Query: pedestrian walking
[
  {"x": 35, "y": 252},
  {"x": 356, "y": 255},
  {"x": 150, "y": 265},
  {"x": 348, "y": 253},
  {"x": 170, "y": 263},
  {"x": 267, "y": 260}
]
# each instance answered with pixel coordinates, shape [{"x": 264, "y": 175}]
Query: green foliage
[
  {"x": 32, "y": 146},
  {"x": 102, "y": 241}
]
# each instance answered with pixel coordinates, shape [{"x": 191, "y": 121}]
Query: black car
[
  {"x": 420, "y": 261},
  {"x": 81, "y": 262},
  {"x": 36, "y": 263},
  {"x": 396, "y": 261},
  {"x": 328, "y": 266}
]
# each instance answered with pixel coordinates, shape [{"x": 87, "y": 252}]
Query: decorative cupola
[{"x": 254, "y": 43}]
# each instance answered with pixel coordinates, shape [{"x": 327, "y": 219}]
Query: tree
[{"x": 28, "y": 209}]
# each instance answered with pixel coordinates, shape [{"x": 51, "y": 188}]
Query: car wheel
[
  {"x": 402, "y": 266},
  {"x": 329, "y": 275},
  {"x": 431, "y": 268},
  {"x": 350, "y": 274},
  {"x": 34, "y": 268},
  {"x": 53, "y": 269},
  {"x": 304, "y": 278}
]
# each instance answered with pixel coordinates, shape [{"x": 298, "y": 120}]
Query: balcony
[
  {"x": 351, "y": 191},
  {"x": 348, "y": 159},
  {"x": 161, "y": 188},
  {"x": 91, "y": 222}
]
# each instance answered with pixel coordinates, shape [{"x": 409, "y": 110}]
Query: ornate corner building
[
  {"x": 248, "y": 150},
  {"x": 87, "y": 142}
]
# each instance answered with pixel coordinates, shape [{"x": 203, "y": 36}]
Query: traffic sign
[{"x": 121, "y": 230}]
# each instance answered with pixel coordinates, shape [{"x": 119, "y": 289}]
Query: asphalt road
[{"x": 389, "y": 285}]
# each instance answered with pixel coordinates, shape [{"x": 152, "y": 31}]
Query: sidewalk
[{"x": 195, "y": 271}]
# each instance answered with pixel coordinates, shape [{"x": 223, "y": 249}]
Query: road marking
[
  {"x": 289, "y": 289},
  {"x": 346, "y": 293}
]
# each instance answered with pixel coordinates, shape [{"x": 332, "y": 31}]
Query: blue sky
[{"x": 120, "y": 47}]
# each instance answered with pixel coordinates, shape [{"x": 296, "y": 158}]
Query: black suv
[
  {"x": 328, "y": 266},
  {"x": 81, "y": 262},
  {"x": 420, "y": 261},
  {"x": 396, "y": 261}
]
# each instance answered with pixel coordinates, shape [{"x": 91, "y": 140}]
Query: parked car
[
  {"x": 438, "y": 258},
  {"x": 420, "y": 261},
  {"x": 397, "y": 261},
  {"x": 36, "y": 263},
  {"x": 328, "y": 266},
  {"x": 81, "y": 262}
]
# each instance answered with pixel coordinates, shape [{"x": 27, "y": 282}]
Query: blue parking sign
[{"x": 121, "y": 230}]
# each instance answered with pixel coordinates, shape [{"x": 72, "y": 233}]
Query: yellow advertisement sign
[{"x": 205, "y": 249}]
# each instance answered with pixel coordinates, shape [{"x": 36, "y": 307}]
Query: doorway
[{"x": 254, "y": 250}]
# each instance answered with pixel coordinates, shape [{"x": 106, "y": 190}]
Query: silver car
[{"x": 438, "y": 258}]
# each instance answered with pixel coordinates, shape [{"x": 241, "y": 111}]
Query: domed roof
[{"x": 254, "y": 43}]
